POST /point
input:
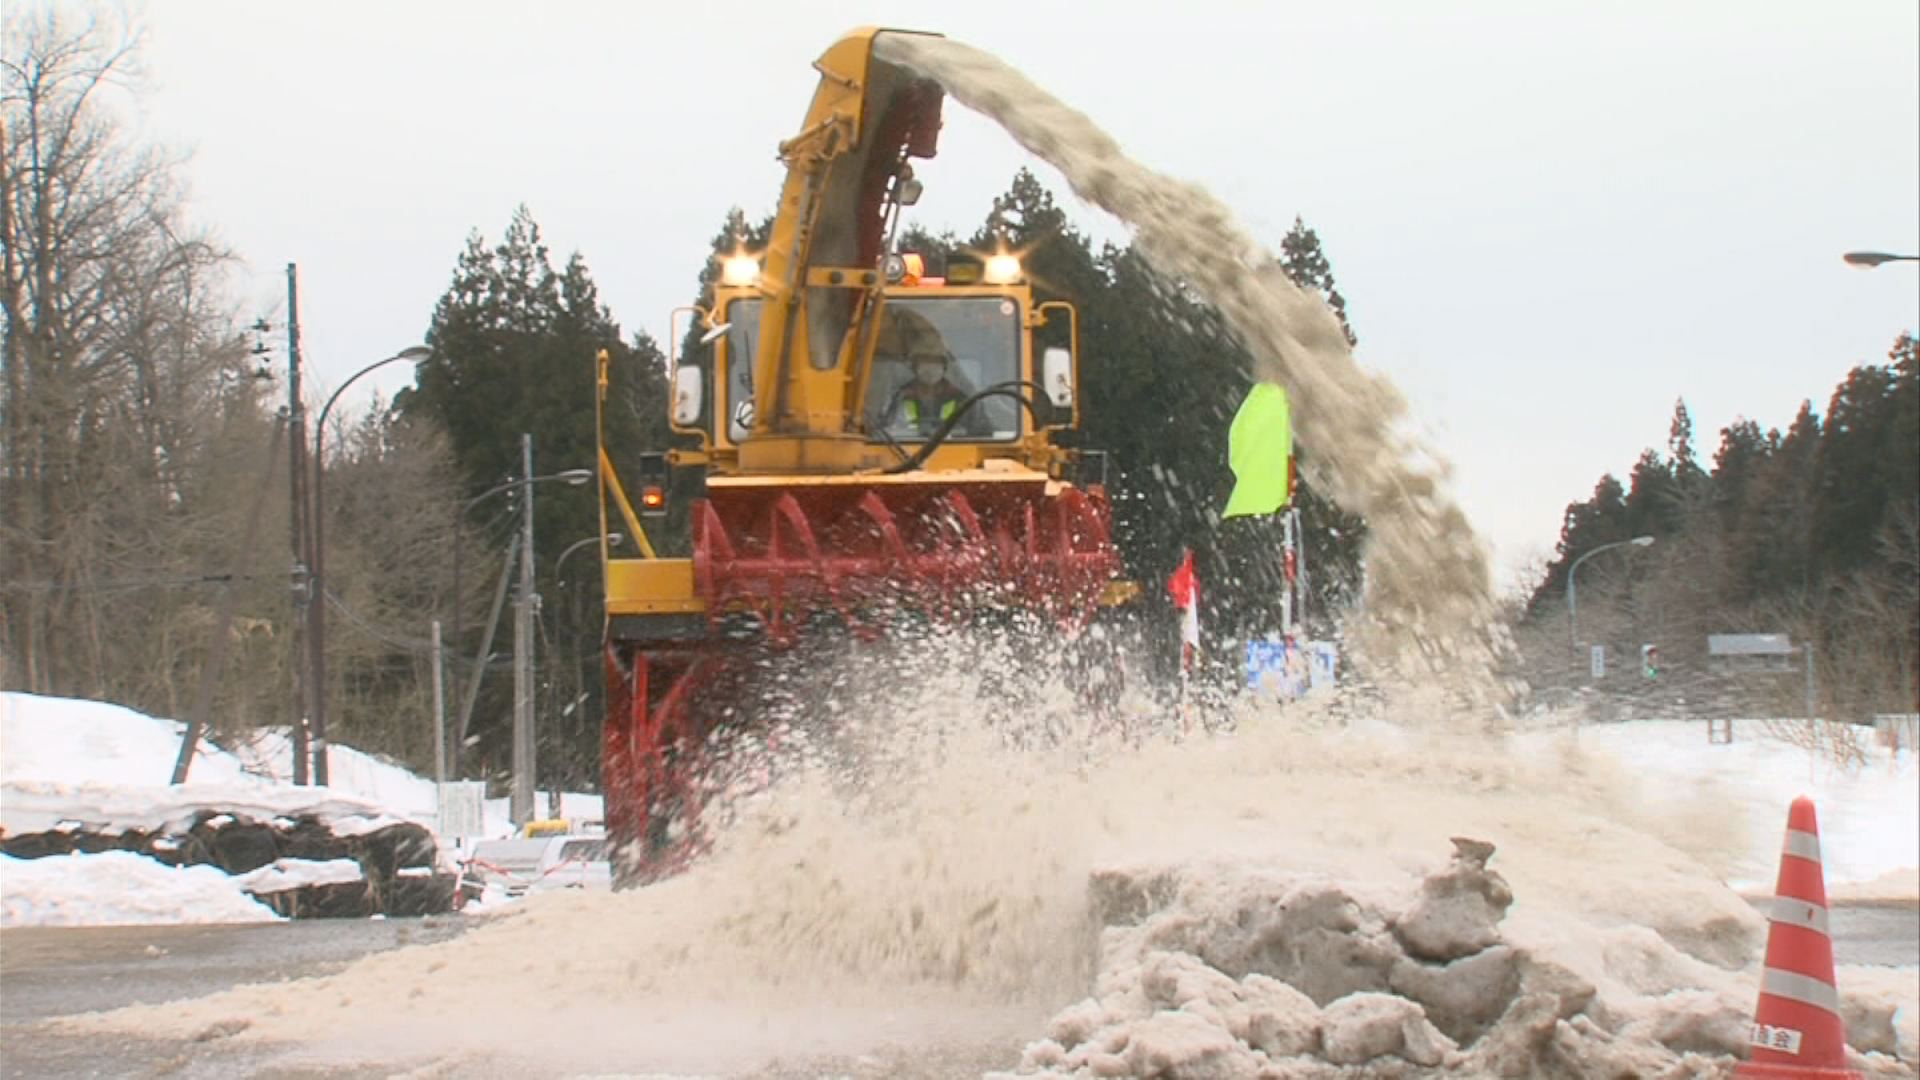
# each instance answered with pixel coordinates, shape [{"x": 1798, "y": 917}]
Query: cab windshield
[{"x": 932, "y": 354}]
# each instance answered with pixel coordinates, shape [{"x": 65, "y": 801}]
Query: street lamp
[
  {"x": 317, "y": 602},
  {"x": 570, "y": 477},
  {"x": 1573, "y": 636},
  {"x": 1867, "y": 260},
  {"x": 613, "y": 539}
]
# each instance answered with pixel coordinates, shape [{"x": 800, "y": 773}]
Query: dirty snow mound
[{"x": 1246, "y": 973}]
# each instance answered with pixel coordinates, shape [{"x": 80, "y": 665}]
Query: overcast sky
[{"x": 1550, "y": 219}]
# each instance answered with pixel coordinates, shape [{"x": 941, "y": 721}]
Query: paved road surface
[
  {"x": 60, "y": 971},
  {"x": 1884, "y": 934}
]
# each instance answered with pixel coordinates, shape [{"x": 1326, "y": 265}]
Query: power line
[
  {"x": 415, "y": 645},
  {"x": 132, "y": 583}
]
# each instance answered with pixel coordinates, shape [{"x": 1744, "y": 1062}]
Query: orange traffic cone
[{"x": 1797, "y": 1030}]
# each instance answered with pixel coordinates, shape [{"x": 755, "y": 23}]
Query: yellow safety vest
[{"x": 913, "y": 410}]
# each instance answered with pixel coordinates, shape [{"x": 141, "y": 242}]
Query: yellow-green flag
[{"x": 1259, "y": 449}]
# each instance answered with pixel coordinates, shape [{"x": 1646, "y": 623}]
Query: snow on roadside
[
  {"x": 269, "y": 755},
  {"x": 32, "y": 807},
  {"x": 108, "y": 767},
  {"x": 71, "y": 741},
  {"x": 70, "y": 764},
  {"x": 283, "y": 874},
  {"x": 1869, "y": 812},
  {"x": 118, "y": 888},
  {"x": 101, "y": 764}
]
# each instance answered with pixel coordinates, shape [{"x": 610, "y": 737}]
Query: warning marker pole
[{"x": 1797, "y": 1030}]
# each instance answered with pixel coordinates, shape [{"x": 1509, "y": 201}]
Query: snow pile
[
  {"x": 1258, "y": 973},
  {"x": 35, "y": 807},
  {"x": 98, "y": 767},
  {"x": 116, "y": 888},
  {"x": 106, "y": 768},
  {"x": 103, "y": 768},
  {"x": 283, "y": 874},
  {"x": 69, "y": 741},
  {"x": 91, "y": 775}
]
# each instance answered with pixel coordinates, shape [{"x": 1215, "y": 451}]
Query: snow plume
[{"x": 1429, "y": 603}]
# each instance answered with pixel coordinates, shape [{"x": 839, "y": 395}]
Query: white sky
[{"x": 1550, "y": 219}]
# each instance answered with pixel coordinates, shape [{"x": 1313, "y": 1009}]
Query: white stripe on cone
[
  {"x": 1804, "y": 989},
  {"x": 1803, "y": 845},
  {"x": 1794, "y": 911}
]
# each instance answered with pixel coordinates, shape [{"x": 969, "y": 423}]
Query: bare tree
[
  {"x": 393, "y": 506},
  {"x": 128, "y": 406}
]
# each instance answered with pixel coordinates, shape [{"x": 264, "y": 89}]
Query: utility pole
[
  {"x": 297, "y": 487},
  {"x": 1300, "y": 567},
  {"x": 523, "y": 759},
  {"x": 439, "y": 716},
  {"x": 1807, "y": 649}
]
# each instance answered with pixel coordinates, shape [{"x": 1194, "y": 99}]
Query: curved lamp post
[
  {"x": 1867, "y": 260},
  {"x": 613, "y": 539},
  {"x": 571, "y": 477},
  {"x": 317, "y": 607},
  {"x": 1573, "y": 636}
]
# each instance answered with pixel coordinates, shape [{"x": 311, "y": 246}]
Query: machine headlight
[
  {"x": 739, "y": 270},
  {"x": 1003, "y": 269}
]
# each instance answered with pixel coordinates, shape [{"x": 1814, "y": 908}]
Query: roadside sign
[
  {"x": 460, "y": 809},
  {"x": 1599, "y": 661}
]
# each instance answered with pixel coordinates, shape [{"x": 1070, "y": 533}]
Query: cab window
[
  {"x": 931, "y": 355},
  {"x": 743, "y": 340}
]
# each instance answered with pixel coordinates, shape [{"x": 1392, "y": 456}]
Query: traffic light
[{"x": 1650, "y": 661}]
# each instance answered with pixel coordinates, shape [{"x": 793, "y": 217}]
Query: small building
[{"x": 1742, "y": 654}]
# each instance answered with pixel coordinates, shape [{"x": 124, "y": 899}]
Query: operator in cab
[{"x": 927, "y": 395}]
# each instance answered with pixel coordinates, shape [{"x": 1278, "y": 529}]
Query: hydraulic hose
[{"x": 1009, "y": 389}]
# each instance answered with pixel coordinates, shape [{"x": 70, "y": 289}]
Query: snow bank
[
  {"x": 283, "y": 874},
  {"x": 33, "y": 807},
  {"x": 106, "y": 768},
  {"x": 1869, "y": 810},
  {"x": 118, "y": 888},
  {"x": 72, "y": 771},
  {"x": 69, "y": 741}
]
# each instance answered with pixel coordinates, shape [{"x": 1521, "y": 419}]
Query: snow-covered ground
[
  {"x": 1869, "y": 810},
  {"x": 89, "y": 765}
]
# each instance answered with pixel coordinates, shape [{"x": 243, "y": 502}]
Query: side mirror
[
  {"x": 1056, "y": 374},
  {"x": 688, "y": 387}
]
